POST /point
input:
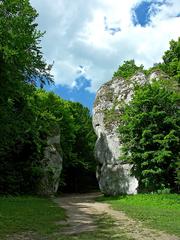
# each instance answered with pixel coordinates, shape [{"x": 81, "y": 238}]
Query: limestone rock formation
[
  {"x": 51, "y": 166},
  {"x": 113, "y": 176}
]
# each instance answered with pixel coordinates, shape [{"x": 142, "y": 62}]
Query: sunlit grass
[{"x": 159, "y": 211}]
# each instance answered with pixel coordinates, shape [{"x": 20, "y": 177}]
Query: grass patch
[
  {"x": 23, "y": 214},
  {"x": 159, "y": 211}
]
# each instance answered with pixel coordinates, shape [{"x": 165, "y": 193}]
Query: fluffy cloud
[{"x": 98, "y": 35}]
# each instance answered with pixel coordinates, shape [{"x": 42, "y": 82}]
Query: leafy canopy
[
  {"x": 20, "y": 52},
  {"x": 171, "y": 61},
  {"x": 171, "y": 58},
  {"x": 42, "y": 114},
  {"x": 27, "y": 115}
]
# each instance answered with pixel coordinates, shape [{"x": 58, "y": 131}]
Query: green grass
[
  {"x": 23, "y": 214},
  {"x": 40, "y": 215},
  {"x": 159, "y": 211}
]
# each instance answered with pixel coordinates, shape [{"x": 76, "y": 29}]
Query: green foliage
[
  {"x": 128, "y": 69},
  {"x": 20, "y": 52},
  {"x": 42, "y": 114},
  {"x": 77, "y": 135},
  {"x": 18, "y": 145},
  {"x": 78, "y": 147},
  {"x": 21, "y": 61},
  {"x": 149, "y": 132},
  {"x": 159, "y": 211},
  {"x": 171, "y": 60},
  {"x": 28, "y": 116},
  {"x": 84, "y": 136}
]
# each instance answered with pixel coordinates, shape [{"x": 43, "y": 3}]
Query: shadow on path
[{"x": 81, "y": 210}]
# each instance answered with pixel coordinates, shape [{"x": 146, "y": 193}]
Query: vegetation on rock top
[
  {"x": 171, "y": 61},
  {"x": 128, "y": 69}
]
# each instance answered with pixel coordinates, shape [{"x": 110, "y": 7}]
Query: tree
[
  {"x": 149, "y": 132},
  {"x": 77, "y": 137},
  {"x": 27, "y": 115},
  {"x": 21, "y": 150},
  {"x": 20, "y": 52},
  {"x": 128, "y": 69},
  {"x": 171, "y": 60},
  {"x": 80, "y": 162},
  {"x": 21, "y": 63}
]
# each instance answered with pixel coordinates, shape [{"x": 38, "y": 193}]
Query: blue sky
[
  {"x": 87, "y": 42},
  {"x": 143, "y": 12},
  {"x": 78, "y": 93}
]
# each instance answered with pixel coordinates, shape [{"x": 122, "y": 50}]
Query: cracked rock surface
[{"x": 113, "y": 175}]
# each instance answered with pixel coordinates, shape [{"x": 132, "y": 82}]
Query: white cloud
[{"x": 75, "y": 36}]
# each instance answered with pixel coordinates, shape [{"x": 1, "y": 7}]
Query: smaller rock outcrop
[
  {"x": 113, "y": 175},
  {"x": 51, "y": 166}
]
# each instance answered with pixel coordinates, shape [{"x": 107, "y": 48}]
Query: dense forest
[{"x": 28, "y": 114}]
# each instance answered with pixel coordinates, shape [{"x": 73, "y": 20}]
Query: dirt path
[{"x": 81, "y": 210}]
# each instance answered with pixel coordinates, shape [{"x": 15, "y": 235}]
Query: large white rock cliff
[{"x": 113, "y": 176}]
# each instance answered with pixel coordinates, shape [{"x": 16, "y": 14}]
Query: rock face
[
  {"x": 113, "y": 176},
  {"x": 51, "y": 166}
]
